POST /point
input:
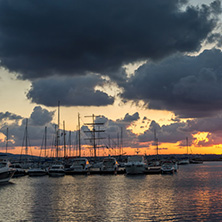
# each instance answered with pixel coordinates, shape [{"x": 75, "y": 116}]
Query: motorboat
[
  {"x": 109, "y": 166},
  {"x": 135, "y": 165},
  {"x": 36, "y": 172},
  {"x": 79, "y": 166},
  {"x": 56, "y": 170},
  {"x": 184, "y": 161},
  {"x": 153, "y": 167},
  {"x": 19, "y": 171},
  {"x": 168, "y": 167},
  {"x": 6, "y": 172}
]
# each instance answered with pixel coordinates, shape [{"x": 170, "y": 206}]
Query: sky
[{"x": 143, "y": 68}]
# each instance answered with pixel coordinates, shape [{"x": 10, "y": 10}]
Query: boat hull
[
  {"x": 36, "y": 173},
  {"x": 56, "y": 173},
  {"x": 135, "y": 169},
  {"x": 6, "y": 176},
  {"x": 153, "y": 170}
]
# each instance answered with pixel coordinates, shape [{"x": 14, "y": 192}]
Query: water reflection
[{"x": 194, "y": 193}]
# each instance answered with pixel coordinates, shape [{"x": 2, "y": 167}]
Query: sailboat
[
  {"x": 57, "y": 169},
  {"x": 38, "y": 171},
  {"x": 154, "y": 166}
]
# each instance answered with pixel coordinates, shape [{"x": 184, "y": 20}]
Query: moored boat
[
  {"x": 109, "y": 166},
  {"x": 19, "y": 171},
  {"x": 135, "y": 165},
  {"x": 56, "y": 170},
  {"x": 168, "y": 167},
  {"x": 79, "y": 166},
  {"x": 36, "y": 172},
  {"x": 6, "y": 172}
]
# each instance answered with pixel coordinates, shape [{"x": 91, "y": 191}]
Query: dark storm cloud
[
  {"x": 190, "y": 86},
  {"x": 42, "y": 38},
  {"x": 9, "y": 116},
  {"x": 70, "y": 91}
]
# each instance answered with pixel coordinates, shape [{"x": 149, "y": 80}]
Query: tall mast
[
  {"x": 118, "y": 145},
  {"x": 57, "y": 139},
  {"x": 94, "y": 131},
  {"x": 79, "y": 130},
  {"x": 45, "y": 139},
  {"x": 156, "y": 142},
  {"x": 94, "y": 135},
  {"x": 187, "y": 144},
  {"x": 121, "y": 136},
  {"x": 26, "y": 137},
  {"x": 6, "y": 147},
  {"x": 64, "y": 137},
  {"x": 70, "y": 143}
]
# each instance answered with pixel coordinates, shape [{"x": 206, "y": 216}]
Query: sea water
[{"x": 194, "y": 193}]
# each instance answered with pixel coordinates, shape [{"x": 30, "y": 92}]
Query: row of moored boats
[{"x": 134, "y": 165}]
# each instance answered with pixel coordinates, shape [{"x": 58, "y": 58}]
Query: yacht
[
  {"x": 79, "y": 166},
  {"x": 109, "y": 166},
  {"x": 19, "y": 171},
  {"x": 136, "y": 165},
  {"x": 36, "y": 172},
  {"x": 168, "y": 167},
  {"x": 153, "y": 166},
  {"x": 56, "y": 170},
  {"x": 184, "y": 161},
  {"x": 6, "y": 172}
]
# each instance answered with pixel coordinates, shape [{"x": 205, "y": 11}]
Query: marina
[{"x": 117, "y": 198}]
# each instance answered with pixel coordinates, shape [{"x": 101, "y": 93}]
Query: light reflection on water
[{"x": 192, "y": 194}]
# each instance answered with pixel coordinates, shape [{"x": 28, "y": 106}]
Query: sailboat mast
[
  {"x": 156, "y": 142},
  {"x": 64, "y": 136},
  {"x": 94, "y": 135},
  {"x": 70, "y": 145},
  {"x": 57, "y": 139},
  {"x": 121, "y": 140},
  {"x": 6, "y": 147},
  {"x": 187, "y": 144},
  {"x": 79, "y": 135},
  {"x": 45, "y": 139},
  {"x": 26, "y": 137}
]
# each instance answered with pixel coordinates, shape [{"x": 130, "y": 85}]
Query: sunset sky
[{"x": 140, "y": 66}]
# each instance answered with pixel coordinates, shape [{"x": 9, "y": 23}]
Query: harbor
[{"x": 192, "y": 194}]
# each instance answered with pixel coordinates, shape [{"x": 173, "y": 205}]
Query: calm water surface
[{"x": 192, "y": 194}]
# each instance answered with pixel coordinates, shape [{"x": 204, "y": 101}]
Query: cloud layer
[
  {"x": 70, "y": 91},
  {"x": 41, "y": 38},
  {"x": 190, "y": 86}
]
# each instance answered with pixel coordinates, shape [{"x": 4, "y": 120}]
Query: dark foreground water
[{"x": 192, "y": 194}]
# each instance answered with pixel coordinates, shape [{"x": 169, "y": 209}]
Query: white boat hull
[
  {"x": 6, "y": 176},
  {"x": 36, "y": 172},
  {"x": 135, "y": 169}
]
